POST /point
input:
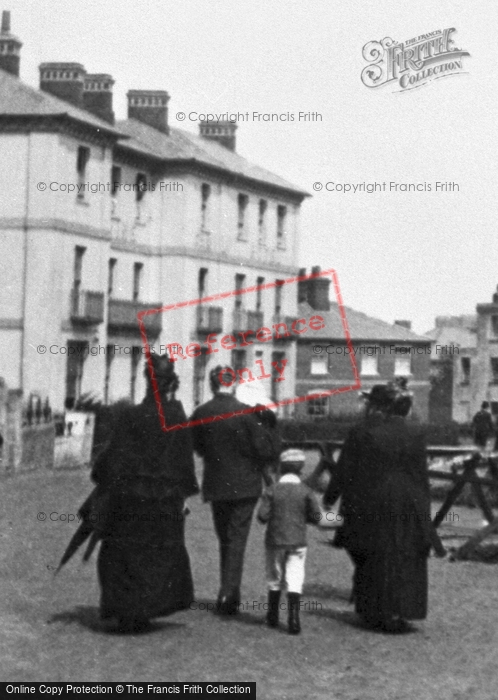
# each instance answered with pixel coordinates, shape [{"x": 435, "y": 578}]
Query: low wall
[
  {"x": 74, "y": 448},
  {"x": 37, "y": 448}
]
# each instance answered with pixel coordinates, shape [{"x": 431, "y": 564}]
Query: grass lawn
[{"x": 50, "y": 629}]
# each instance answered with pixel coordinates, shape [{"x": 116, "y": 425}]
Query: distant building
[
  {"x": 453, "y": 369},
  {"x": 486, "y": 375},
  {"x": 465, "y": 363},
  {"x": 382, "y": 351},
  {"x": 101, "y": 219}
]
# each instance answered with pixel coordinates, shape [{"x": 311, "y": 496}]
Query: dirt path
[{"x": 50, "y": 629}]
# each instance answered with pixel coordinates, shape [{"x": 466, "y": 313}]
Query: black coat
[
  {"x": 235, "y": 449},
  {"x": 383, "y": 480},
  {"x": 483, "y": 426},
  {"x": 143, "y": 477},
  {"x": 145, "y": 461}
]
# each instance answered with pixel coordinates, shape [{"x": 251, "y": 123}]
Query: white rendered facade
[{"x": 76, "y": 267}]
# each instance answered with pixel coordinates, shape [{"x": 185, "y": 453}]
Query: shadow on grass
[
  {"x": 324, "y": 590},
  {"x": 351, "y": 619},
  {"x": 89, "y": 617}
]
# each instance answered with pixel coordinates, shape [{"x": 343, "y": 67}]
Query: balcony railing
[
  {"x": 244, "y": 320},
  {"x": 87, "y": 306},
  {"x": 209, "y": 319},
  {"x": 239, "y": 321},
  {"x": 123, "y": 316},
  {"x": 254, "y": 320},
  {"x": 288, "y": 320}
]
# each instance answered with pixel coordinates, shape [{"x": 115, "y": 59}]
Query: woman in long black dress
[
  {"x": 143, "y": 478},
  {"x": 383, "y": 479}
]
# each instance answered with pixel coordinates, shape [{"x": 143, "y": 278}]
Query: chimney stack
[
  {"x": 149, "y": 107},
  {"x": 63, "y": 80},
  {"x": 222, "y": 131},
  {"x": 10, "y": 47},
  {"x": 318, "y": 291},
  {"x": 302, "y": 287},
  {"x": 97, "y": 96},
  {"x": 404, "y": 324}
]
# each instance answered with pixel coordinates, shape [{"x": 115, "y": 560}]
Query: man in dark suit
[{"x": 235, "y": 450}]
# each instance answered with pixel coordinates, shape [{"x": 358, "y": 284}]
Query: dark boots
[
  {"x": 293, "y": 603},
  {"x": 273, "y": 603},
  {"x": 294, "y": 600}
]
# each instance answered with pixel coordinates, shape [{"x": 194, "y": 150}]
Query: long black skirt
[
  {"x": 391, "y": 577},
  {"x": 388, "y": 585},
  {"x": 143, "y": 565}
]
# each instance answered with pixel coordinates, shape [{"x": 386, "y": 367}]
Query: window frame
[
  {"x": 322, "y": 361},
  {"x": 282, "y": 214},
  {"x": 138, "y": 270},
  {"x": 242, "y": 205},
  {"x": 365, "y": 360},
  {"x": 399, "y": 359},
  {"x": 82, "y": 160}
]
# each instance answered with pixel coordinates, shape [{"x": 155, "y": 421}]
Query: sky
[{"x": 398, "y": 255}]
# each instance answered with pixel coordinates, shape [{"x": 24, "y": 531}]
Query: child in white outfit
[{"x": 287, "y": 507}]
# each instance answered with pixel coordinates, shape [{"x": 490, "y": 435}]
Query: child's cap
[{"x": 292, "y": 456}]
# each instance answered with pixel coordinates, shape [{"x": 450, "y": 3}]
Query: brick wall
[{"x": 338, "y": 372}]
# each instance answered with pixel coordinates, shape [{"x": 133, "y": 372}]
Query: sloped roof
[
  {"x": 180, "y": 145},
  {"x": 20, "y": 100},
  {"x": 455, "y": 330},
  {"x": 361, "y": 327},
  {"x": 454, "y": 335}
]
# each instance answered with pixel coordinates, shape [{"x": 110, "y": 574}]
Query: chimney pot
[
  {"x": 10, "y": 47},
  {"x": 222, "y": 131},
  {"x": 97, "y": 95},
  {"x": 318, "y": 291},
  {"x": 63, "y": 80},
  {"x": 149, "y": 107},
  {"x": 5, "y": 22},
  {"x": 302, "y": 287}
]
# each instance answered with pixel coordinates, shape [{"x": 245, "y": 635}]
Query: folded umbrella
[{"x": 86, "y": 528}]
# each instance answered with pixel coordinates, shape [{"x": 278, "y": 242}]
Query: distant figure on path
[
  {"x": 236, "y": 451},
  {"x": 482, "y": 423}
]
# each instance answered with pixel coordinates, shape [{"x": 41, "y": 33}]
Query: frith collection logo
[{"x": 412, "y": 63}]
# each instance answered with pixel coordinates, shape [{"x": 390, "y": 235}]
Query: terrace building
[{"x": 102, "y": 219}]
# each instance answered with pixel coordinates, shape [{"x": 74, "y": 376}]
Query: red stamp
[{"x": 282, "y": 329}]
